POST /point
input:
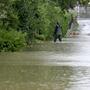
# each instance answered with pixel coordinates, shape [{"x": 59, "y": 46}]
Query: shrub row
[{"x": 11, "y": 40}]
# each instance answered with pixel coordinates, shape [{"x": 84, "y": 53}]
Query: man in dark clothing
[{"x": 57, "y": 32}]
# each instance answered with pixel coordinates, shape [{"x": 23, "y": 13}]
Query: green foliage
[
  {"x": 66, "y": 4},
  {"x": 8, "y": 16},
  {"x": 22, "y": 9},
  {"x": 11, "y": 40},
  {"x": 37, "y": 18},
  {"x": 50, "y": 14},
  {"x": 84, "y": 2}
]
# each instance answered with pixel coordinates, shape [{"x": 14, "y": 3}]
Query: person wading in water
[{"x": 57, "y": 32}]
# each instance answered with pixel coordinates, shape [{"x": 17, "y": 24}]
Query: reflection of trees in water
[
  {"x": 21, "y": 77},
  {"x": 58, "y": 47},
  {"x": 54, "y": 77},
  {"x": 62, "y": 77}
]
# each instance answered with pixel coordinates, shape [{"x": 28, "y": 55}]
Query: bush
[
  {"x": 11, "y": 40},
  {"x": 40, "y": 37}
]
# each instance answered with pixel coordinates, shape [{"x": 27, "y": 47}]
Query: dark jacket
[{"x": 57, "y": 30}]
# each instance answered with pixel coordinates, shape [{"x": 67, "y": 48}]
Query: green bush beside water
[
  {"x": 11, "y": 40},
  {"x": 28, "y": 21}
]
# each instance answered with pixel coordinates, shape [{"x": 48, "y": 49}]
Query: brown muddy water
[{"x": 49, "y": 66}]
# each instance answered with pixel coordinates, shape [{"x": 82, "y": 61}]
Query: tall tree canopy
[{"x": 36, "y": 18}]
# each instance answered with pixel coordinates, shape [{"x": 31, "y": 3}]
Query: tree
[{"x": 8, "y": 16}]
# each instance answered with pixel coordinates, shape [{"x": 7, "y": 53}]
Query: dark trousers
[{"x": 57, "y": 37}]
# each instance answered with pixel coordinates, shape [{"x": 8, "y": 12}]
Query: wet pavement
[{"x": 50, "y": 66}]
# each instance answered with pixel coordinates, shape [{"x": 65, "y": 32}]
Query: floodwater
[{"x": 50, "y": 66}]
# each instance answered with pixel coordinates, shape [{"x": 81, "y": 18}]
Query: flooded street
[{"x": 50, "y": 66}]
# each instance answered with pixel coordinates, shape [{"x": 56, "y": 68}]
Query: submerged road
[
  {"x": 50, "y": 66},
  {"x": 72, "y": 51}
]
